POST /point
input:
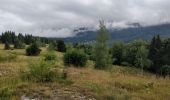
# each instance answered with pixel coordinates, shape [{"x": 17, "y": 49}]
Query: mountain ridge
[{"x": 125, "y": 34}]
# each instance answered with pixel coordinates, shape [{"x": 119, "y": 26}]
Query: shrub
[
  {"x": 76, "y": 58},
  {"x": 50, "y": 56},
  {"x": 33, "y": 50},
  {"x": 5, "y": 93},
  {"x": 40, "y": 72},
  {"x": 52, "y": 46}
]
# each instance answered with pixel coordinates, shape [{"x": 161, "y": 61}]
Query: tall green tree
[
  {"x": 131, "y": 51},
  {"x": 18, "y": 44},
  {"x": 21, "y": 38},
  {"x": 155, "y": 53},
  {"x": 166, "y": 52},
  {"x": 8, "y": 36},
  {"x": 141, "y": 58},
  {"x": 101, "y": 51}
]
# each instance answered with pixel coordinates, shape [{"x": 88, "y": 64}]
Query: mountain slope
[{"x": 127, "y": 34}]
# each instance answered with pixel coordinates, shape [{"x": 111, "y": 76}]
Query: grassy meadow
[{"x": 118, "y": 83}]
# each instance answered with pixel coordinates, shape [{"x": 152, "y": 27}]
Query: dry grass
[{"x": 120, "y": 83}]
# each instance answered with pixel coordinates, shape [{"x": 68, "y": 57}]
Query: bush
[
  {"x": 50, "y": 56},
  {"x": 33, "y": 50},
  {"x": 76, "y": 58},
  {"x": 52, "y": 46},
  {"x": 40, "y": 72},
  {"x": 5, "y": 93}
]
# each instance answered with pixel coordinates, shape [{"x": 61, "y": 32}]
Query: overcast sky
[{"x": 58, "y": 17}]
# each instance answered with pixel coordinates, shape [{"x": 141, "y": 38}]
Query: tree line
[{"x": 152, "y": 56}]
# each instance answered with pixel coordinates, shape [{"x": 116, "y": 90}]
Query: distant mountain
[{"x": 135, "y": 31}]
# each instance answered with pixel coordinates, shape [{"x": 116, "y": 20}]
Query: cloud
[{"x": 59, "y": 17}]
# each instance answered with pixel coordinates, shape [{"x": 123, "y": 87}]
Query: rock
[{"x": 27, "y": 98}]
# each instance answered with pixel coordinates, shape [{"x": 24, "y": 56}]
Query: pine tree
[
  {"x": 155, "y": 53},
  {"x": 21, "y": 37},
  {"x": 18, "y": 44},
  {"x": 101, "y": 52},
  {"x": 166, "y": 52}
]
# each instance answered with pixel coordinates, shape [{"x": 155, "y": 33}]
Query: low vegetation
[
  {"x": 76, "y": 58},
  {"x": 50, "y": 56},
  {"x": 33, "y": 50},
  {"x": 96, "y": 72},
  {"x": 40, "y": 72}
]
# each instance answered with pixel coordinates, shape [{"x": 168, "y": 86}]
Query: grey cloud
[{"x": 58, "y": 17}]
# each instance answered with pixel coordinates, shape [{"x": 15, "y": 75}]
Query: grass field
[{"x": 119, "y": 83}]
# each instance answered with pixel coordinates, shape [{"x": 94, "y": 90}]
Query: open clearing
[{"x": 119, "y": 83}]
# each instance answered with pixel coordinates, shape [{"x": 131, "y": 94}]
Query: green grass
[{"x": 119, "y": 83}]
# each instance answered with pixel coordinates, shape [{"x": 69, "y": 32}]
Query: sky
[{"x": 58, "y": 18}]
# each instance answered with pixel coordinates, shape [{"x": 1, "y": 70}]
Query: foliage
[
  {"x": 8, "y": 36},
  {"x": 101, "y": 52},
  {"x": 33, "y": 50},
  {"x": 52, "y": 46},
  {"x": 87, "y": 48},
  {"x": 75, "y": 57},
  {"x": 165, "y": 52},
  {"x": 61, "y": 47},
  {"x": 117, "y": 52},
  {"x": 5, "y": 93},
  {"x": 18, "y": 44},
  {"x": 165, "y": 70},
  {"x": 155, "y": 53},
  {"x": 40, "y": 72},
  {"x": 21, "y": 38},
  {"x": 131, "y": 51},
  {"x": 50, "y": 56},
  {"x": 7, "y": 46},
  {"x": 69, "y": 47},
  {"x": 141, "y": 58}
]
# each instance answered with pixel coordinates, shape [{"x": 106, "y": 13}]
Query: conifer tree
[
  {"x": 7, "y": 46},
  {"x": 155, "y": 53},
  {"x": 18, "y": 44},
  {"x": 101, "y": 51}
]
